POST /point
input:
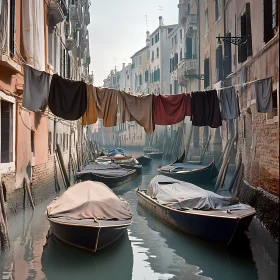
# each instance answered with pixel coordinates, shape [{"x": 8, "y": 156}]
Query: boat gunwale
[
  {"x": 145, "y": 196},
  {"x": 211, "y": 164},
  {"x": 129, "y": 172},
  {"x": 91, "y": 226}
]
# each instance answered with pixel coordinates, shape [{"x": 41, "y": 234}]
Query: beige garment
[
  {"x": 136, "y": 108},
  {"x": 102, "y": 102},
  {"x": 89, "y": 200}
]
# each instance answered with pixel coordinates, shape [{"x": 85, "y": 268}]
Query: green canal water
[{"x": 150, "y": 250}]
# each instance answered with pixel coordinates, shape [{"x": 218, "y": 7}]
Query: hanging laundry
[
  {"x": 67, "y": 99},
  {"x": 229, "y": 103},
  {"x": 205, "y": 109},
  {"x": 171, "y": 109},
  {"x": 102, "y": 104},
  {"x": 136, "y": 108},
  {"x": 36, "y": 89},
  {"x": 263, "y": 90}
]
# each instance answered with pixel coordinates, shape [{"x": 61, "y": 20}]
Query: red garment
[{"x": 171, "y": 109}]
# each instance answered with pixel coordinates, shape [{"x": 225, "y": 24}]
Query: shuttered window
[
  {"x": 140, "y": 80},
  {"x": 227, "y": 56},
  {"x": 170, "y": 89},
  {"x": 206, "y": 73},
  {"x": 249, "y": 30},
  {"x": 68, "y": 66},
  {"x": 12, "y": 27},
  {"x": 171, "y": 65},
  {"x": 267, "y": 20},
  {"x": 188, "y": 48},
  {"x": 242, "y": 49},
  {"x": 219, "y": 64},
  {"x": 181, "y": 54},
  {"x": 275, "y": 7},
  {"x": 158, "y": 74}
]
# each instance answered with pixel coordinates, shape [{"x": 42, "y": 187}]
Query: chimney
[
  {"x": 160, "y": 21},
  {"x": 147, "y": 38},
  {"x": 123, "y": 65}
]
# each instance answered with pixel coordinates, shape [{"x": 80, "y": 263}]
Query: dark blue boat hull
[{"x": 214, "y": 228}]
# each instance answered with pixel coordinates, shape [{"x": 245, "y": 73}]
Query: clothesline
[{"x": 244, "y": 84}]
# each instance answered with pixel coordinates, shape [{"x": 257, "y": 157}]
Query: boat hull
[
  {"x": 199, "y": 175},
  {"x": 220, "y": 229},
  {"x": 155, "y": 155},
  {"x": 111, "y": 182},
  {"x": 144, "y": 161},
  {"x": 87, "y": 237},
  {"x": 136, "y": 167}
]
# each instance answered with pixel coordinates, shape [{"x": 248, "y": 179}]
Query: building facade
[{"x": 57, "y": 42}]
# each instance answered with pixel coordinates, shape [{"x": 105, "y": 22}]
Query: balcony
[
  {"x": 186, "y": 70},
  {"x": 87, "y": 18},
  {"x": 57, "y": 11},
  {"x": 183, "y": 12},
  {"x": 76, "y": 15},
  {"x": 8, "y": 62},
  {"x": 191, "y": 24}
]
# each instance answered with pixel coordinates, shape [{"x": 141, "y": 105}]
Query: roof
[
  {"x": 163, "y": 26},
  {"x": 139, "y": 51}
]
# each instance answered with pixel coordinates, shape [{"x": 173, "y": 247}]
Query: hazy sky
[{"x": 118, "y": 29}]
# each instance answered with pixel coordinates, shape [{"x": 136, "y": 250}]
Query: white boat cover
[
  {"x": 183, "y": 195},
  {"x": 89, "y": 200}
]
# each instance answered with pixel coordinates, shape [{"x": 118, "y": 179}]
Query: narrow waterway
[{"x": 150, "y": 250}]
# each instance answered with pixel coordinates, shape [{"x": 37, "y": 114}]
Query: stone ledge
[{"x": 266, "y": 205}]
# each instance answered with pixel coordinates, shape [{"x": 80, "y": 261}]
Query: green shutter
[
  {"x": 189, "y": 48},
  {"x": 158, "y": 74},
  {"x": 249, "y": 30}
]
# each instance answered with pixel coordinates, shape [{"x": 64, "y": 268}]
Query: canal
[{"x": 150, "y": 250}]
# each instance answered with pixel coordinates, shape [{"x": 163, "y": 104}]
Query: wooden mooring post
[{"x": 62, "y": 165}]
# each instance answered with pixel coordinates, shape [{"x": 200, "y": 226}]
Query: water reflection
[{"x": 60, "y": 261}]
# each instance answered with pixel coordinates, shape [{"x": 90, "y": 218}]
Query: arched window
[{"x": 157, "y": 52}]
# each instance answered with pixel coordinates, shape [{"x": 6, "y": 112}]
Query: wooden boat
[
  {"x": 190, "y": 173},
  {"x": 60, "y": 261},
  {"x": 111, "y": 175},
  {"x": 148, "y": 149},
  {"x": 73, "y": 220},
  {"x": 126, "y": 162},
  {"x": 220, "y": 226},
  {"x": 143, "y": 160},
  {"x": 155, "y": 154}
]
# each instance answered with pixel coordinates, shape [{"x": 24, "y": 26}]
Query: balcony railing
[
  {"x": 191, "y": 24},
  {"x": 76, "y": 15},
  {"x": 57, "y": 11},
  {"x": 185, "y": 68},
  {"x": 87, "y": 18}
]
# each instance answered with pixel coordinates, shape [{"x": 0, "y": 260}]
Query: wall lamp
[{"x": 233, "y": 40}]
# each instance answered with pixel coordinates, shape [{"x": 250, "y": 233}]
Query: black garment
[
  {"x": 67, "y": 99},
  {"x": 205, "y": 109}
]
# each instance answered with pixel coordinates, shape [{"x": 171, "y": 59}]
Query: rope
[{"x": 97, "y": 237}]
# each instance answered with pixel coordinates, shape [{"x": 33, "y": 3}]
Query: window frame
[{"x": 9, "y": 166}]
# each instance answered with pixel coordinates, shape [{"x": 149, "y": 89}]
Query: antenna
[
  {"x": 160, "y": 8},
  {"x": 147, "y": 22}
]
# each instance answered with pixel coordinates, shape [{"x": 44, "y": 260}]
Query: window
[
  {"x": 146, "y": 76},
  {"x": 140, "y": 80},
  {"x": 170, "y": 88},
  {"x": 54, "y": 51},
  {"x": 32, "y": 142},
  {"x": 171, "y": 65},
  {"x": 152, "y": 41},
  {"x": 172, "y": 40},
  {"x": 181, "y": 34},
  {"x": 157, "y": 52},
  {"x": 6, "y": 131},
  {"x": 158, "y": 74},
  {"x": 245, "y": 50},
  {"x": 188, "y": 48},
  {"x": 153, "y": 55},
  {"x": 274, "y": 106},
  {"x": 50, "y": 142},
  {"x": 219, "y": 64},
  {"x": 270, "y": 18},
  {"x": 64, "y": 143},
  {"x": 217, "y": 10},
  {"x": 50, "y": 43},
  {"x": 175, "y": 38},
  {"x": 181, "y": 54},
  {"x": 12, "y": 26},
  {"x": 227, "y": 56},
  {"x": 68, "y": 75},
  {"x": 140, "y": 60},
  {"x": 206, "y": 73},
  {"x": 206, "y": 22}
]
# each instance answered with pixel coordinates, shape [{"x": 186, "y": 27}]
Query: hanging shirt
[
  {"x": 67, "y": 99},
  {"x": 36, "y": 89},
  {"x": 263, "y": 90},
  {"x": 136, "y": 108},
  {"x": 102, "y": 104},
  {"x": 229, "y": 103},
  {"x": 171, "y": 109},
  {"x": 205, "y": 109}
]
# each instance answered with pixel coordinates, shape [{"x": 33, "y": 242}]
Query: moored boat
[
  {"x": 143, "y": 160},
  {"x": 88, "y": 216},
  {"x": 155, "y": 154},
  {"x": 190, "y": 173},
  {"x": 110, "y": 174},
  {"x": 195, "y": 211},
  {"x": 148, "y": 149}
]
